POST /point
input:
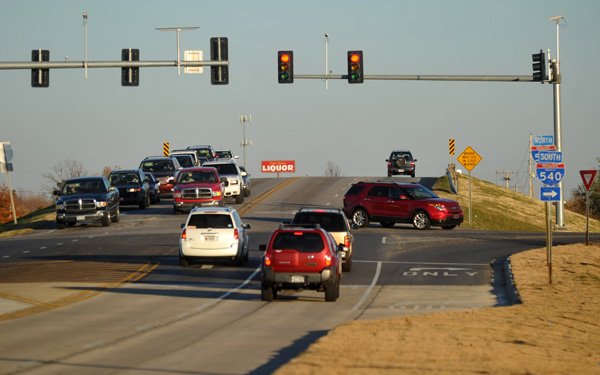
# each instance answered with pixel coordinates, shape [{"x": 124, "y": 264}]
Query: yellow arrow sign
[{"x": 469, "y": 158}]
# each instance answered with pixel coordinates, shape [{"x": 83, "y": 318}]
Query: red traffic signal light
[
  {"x": 285, "y": 67},
  {"x": 355, "y": 67}
]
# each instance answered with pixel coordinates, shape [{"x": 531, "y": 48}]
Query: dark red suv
[
  {"x": 392, "y": 202},
  {"x": 301, "y": 257}
]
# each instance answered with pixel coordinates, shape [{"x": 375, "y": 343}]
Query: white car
[
  {"x": 213, "y": 233},
  {"x": 230, "y": 170}
]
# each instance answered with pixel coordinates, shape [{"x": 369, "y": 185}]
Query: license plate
[
  {"x": 80, "y": 218},
  {"x": 210, "y": 237},
  {"x": 401, "y": 170},
  {"x": 297, "y": 279},
  {"x": 456, "y": 216}
]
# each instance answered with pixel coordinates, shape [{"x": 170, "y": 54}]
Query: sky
[{"x": 100, "y": 123}]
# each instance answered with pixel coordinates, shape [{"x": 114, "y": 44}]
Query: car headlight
[
  {"x": 216, "y": 193},
  {"x": 234, "y": 182},
  {"x": 101, "y": 204},
  {"x": 439, "y": 207},
  {"x": 176, "y": 193}
]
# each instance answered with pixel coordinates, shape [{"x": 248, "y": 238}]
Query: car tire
[
  {"x": 145, "y": 202},
  {"x": 117, "y": 217},
  {"x": 239, "y": 199},
  {"x": 387, "y": 223},
  {"x": 183, "y": 262},
  {"x": 176, "y": 211},
  {"x": 421, "y": 221},
  {"x": 267, "y": 293},
  {"x": 347, "y": 265},
  {"x": 106, "y": 219},
  {"x": 332, "y": 291},
  {"x": 360, "y": 217},
  {"x": 60, "y": 225},
  {"x": 157, "y": 199},
  {"x": 448, "y": 227},
  {"x": 389, "y": 174}
]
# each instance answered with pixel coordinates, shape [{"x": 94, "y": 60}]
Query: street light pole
[
  {"x": 85, "y": 48},
  {"x": 557, "y": 119},
  {"x": 245, "y": 119}
]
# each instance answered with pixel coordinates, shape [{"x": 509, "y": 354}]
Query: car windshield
[
  {"x": 225, "y": 168},
  {"x": 123, "y": 178},
  {"x": 196, "y": 176},
  {"x": 331, "y": 222},
  {"x": 157, "y": 166},
  {"x": 304, "y": 242},
  {"x": 83, "y": 186},
  {"x": 224, "y": 154},
  {"x": 210, "y": 221},
  {"x": 185, "y": 161},
  {"x": 419, "y": 192}
]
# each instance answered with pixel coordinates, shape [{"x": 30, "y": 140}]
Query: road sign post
[
  {"x": 588, "y": 177},
  {"x": 6, "y": 166},
  {"x": 469, "y": 159}
]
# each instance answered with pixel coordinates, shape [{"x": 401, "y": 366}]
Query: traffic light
[
  {"x": 355, "y": 67},
  {"x": 219, "y": 75},
  {"x": 40, "y": 77},
  {"x": 539, "y": 66},
  {"x": 285, "y": 66},
  {"x": 130, "y": 76}
]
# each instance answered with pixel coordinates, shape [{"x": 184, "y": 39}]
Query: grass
[
  {"x": 42, "y": 218},
  {"x": 497, "y": 208}
]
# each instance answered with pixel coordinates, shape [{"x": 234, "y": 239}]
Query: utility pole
[
  {"x": 507, "y": 175},
  {"x": 85, "y": 45},
  {"x": 531, "y": 175},
  {"x": 556, "y": 79},
  {"x": 245, "y": 119}
]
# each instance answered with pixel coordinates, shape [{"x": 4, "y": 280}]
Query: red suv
[
  {"x": 391, "y": 202},
  {"x": 301, "y": 257},
  {"x": 196, "y": 187}
]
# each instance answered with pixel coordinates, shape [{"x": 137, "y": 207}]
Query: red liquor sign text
[{"x": 278, "y": 166}]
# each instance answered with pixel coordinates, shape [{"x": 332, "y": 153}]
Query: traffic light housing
[
  {"x": 539, "y": 66},
  {"x": 285, "y": 66},
  {"x": 130, "y": 76},
  {"x": 355, "y": 67},
  {"x": 219, "y": 75},
  {"x": 40, "y": 77}
]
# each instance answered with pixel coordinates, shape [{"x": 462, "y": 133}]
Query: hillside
[{"x": 496, "y": 208}]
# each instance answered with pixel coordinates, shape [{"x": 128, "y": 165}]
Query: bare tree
[
  {"x": 63, "y": 171},
  {"x": 106, "y": 170},
  {"x": 332, "y": 169}
]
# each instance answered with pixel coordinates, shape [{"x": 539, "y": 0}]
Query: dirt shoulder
[{"x": 556, "y": 330}]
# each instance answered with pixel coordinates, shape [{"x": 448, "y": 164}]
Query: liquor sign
[{"x": 278, "y": 166}]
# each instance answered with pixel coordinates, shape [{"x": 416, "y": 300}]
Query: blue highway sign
[
  {"x": 550, "y": 194},
  {"x": 550, "y": 173},
  {"x": 548, "y": 157},
  {"x": 543, "y": 140}
]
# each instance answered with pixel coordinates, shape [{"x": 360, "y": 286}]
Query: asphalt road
[{"x": 209, "y": 318}]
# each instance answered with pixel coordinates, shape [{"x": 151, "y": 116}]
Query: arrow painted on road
[{"x": 439, "y": 268}]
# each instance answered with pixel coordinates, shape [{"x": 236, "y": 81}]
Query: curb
[{"x": 510, "y": 285}]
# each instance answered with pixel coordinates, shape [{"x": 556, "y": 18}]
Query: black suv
[
  {"x": 164, "y": 169},
  {"x": 133, "y": 187},
  {"x": 86, "y": 200},
  {"x": 401, "y": 162}
]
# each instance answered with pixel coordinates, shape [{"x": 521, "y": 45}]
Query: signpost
[
  {"x": 469, "y": 159},
  {"x": 550, "y": 171},
  {"x": 588, "y": 177},
  {"x": 6, "y": 155}
]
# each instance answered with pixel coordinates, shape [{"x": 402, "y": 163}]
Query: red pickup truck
[{"x": 197, "y": 187}]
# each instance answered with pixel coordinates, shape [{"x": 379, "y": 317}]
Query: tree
[
  {"x": 65, "y": 170},
  {"x": 594, "y": 195},
  {"x": 332, "y": 170}
]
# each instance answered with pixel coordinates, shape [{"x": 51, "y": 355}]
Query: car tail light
[
  {"x": 327, "y": 260},
  {"x": 236, "y": 234},
  {"x": 183, "y": 235},
  {"x": 267, "y": 260},
  {"x": 347, "y": 241},
  {"x": 134, "y": 190}
]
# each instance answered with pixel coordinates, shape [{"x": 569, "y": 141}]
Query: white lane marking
[
  {"x": 383, "y": 240},
  {"x": 75, "y": 240},
  {"x": 230, "y": 292},
  {"x": 59, "y": 244},
  {"x": 6, "y": 256},
  {"x": 26, "y": 252},
  {"x": 422, "y": 263},
  {"x": 370, "y": 288}
]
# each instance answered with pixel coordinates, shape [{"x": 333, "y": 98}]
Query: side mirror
[
  {"x": 353, "y": 226},
  {"x": 247, "y": 226},
  {"x": 224, "y": 181},
  {"x": 262, "y": 247},
  {"x": 340, "y": 247},
  {"x": 243, "y": 174},
  {"x": 56, "y": 193},
  {"x": 182, "y": 225}
]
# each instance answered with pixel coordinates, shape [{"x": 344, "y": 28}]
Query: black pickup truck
[{"x": 86, "y": 200}]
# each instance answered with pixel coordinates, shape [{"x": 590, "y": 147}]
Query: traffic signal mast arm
[
  {"x": 105, "y": 64},
  {"x": 388, "y": 77}
]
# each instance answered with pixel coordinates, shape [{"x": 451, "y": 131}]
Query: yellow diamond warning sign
[{"x": 469, "y": 158}]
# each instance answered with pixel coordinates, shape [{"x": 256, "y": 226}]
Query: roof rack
[{"x": 305, "y": 226}]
